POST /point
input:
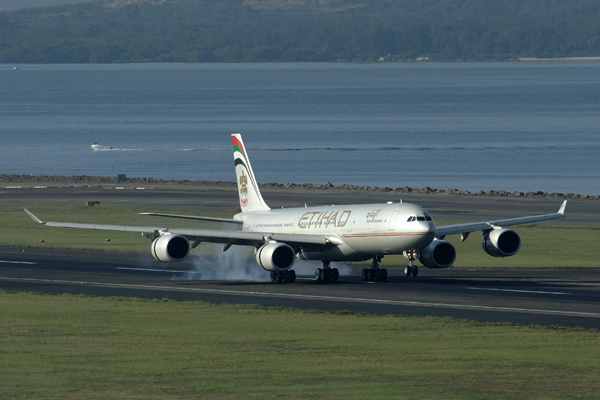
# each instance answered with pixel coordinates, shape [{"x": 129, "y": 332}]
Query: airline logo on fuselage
[
  {"x": 372, "y": 215},
  {"x": 324, "y": 219}
]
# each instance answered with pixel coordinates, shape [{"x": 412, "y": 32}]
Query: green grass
[
  {"x": 543, "y": 245},
  {"x": 79, "y": 347}
]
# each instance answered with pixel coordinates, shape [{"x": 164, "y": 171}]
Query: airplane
[{"x": 341, "y": 233}]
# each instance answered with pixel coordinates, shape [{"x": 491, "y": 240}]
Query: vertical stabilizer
[{"x": 250, "y": 197}]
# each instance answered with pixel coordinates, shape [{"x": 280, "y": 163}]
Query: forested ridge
[{"x": 110, "y": 31}]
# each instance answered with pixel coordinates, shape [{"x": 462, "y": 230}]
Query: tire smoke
[{"x": 238, "y": 264}]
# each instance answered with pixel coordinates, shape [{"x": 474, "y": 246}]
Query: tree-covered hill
[
  {"x": 299, "y": 30},
  {"x": 19, "y": 4}
]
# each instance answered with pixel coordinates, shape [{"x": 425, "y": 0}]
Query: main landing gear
[
  {"x": 375, "y": 274},
  {"x": 327, "y": 274},
  {"x": 410, "y": 268},
  {"x": 288, "y": 276}
]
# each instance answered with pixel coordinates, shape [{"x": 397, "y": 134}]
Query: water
[{"x": 472, "y": 126}]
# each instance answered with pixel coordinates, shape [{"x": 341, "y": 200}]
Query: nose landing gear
[{"x": 410, "y": 268}]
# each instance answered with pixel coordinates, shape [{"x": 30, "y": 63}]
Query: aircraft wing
[
  {"x": 442, "y": 231},
  {"x": 211, "y": 219},
  {"x": 205, "y": 235}
]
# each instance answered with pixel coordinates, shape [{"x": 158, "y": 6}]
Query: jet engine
[
  {"x": 439, "y": 254},
  {"x": 501, "y": 242},
  {"x": 170, "y": 248},
  {"x": 275, "y": 257}
]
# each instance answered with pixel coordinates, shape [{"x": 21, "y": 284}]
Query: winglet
[
  {"x": 33, "y": 217},
  {"x": 561, "y": 210}
]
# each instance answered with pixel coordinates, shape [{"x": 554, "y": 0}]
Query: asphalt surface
[
  {"x": 541, "y": 297},
  {"x": 563, "y": 297}
]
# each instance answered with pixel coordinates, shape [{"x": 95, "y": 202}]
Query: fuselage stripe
[{"x": 388, "y": 235}]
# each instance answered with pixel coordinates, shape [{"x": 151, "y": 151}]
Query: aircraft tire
[
  {"x": 383, "y": 275},
  {"x": 372, "y": 275},
  {"x": 415, "y": 270},
  {"x": 365, "y": 274},
  {"x": 319, "y": 275},
  {"x": 335, "y": 275},
  {"x": 407, "y": 270},
  {"x": 280, "y": 276},
  {"x": 291, "y": 276}
]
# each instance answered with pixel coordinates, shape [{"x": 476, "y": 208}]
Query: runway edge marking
[{"x": 306, "y": 296}]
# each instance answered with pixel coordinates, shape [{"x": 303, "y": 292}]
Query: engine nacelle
[
  {"x": 170, "y": 248},
  {"x": 439, "y": 254},
  {"x": 276, "y": 257},
  {"x": 501, "y": 242}
]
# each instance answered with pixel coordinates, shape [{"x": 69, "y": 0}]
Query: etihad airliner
[{"x": 328, "y": 233}]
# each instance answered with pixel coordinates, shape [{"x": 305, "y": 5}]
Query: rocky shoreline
[{"x": 8, "y": 180}]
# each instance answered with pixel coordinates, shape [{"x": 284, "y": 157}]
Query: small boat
[
  {"x": 100, "y": 146},
  {"x": 15, "y": 68}
]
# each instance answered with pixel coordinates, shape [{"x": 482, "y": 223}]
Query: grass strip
[{"x": 81, "y": 347}]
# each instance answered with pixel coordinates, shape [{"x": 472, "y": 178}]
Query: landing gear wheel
[
  {"x": 283, "y": 276},
  {"x": 408, "y": 270},
  {"x": 335, "y": 274},
  {"x": 383, "y": 275},
  {"x": 280, "y": 276},
  {"x": 319, "y": 275},
  {"x": 327, "y": 274},
  {"x": 375, "y": 274},
  {"x": 372, "y": 275},
  {"x": 415, "y": 270},
  {"x": 290, "y": 276}
]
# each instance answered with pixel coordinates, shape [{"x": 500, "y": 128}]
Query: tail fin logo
[
  {"x": 243, "y": 185},
  {"x": 250, "y": 198}
]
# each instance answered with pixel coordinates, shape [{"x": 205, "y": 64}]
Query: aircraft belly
[
  {"x": 387, "y": 243},
  {"x": 338, "y": 253}
]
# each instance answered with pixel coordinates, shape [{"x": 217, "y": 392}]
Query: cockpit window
[{"x": 419, "y": 218}]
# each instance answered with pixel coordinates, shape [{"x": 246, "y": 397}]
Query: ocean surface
[{"x": 524, "y": 126}]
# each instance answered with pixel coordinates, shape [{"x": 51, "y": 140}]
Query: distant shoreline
[
  {"x": 37, "y": 181},
  {"x": 419, "y": 60}
]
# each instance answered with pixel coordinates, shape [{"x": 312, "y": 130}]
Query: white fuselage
[{"x": 363, "y": 230}]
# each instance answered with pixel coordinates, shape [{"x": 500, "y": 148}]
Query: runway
[
  {"x": 564, "y": 297},
  {"x": 560, "y": 297}
]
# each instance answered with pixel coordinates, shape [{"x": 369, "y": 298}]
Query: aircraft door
[{"x": 393, "y": 218}]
